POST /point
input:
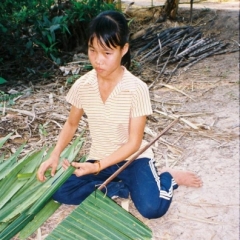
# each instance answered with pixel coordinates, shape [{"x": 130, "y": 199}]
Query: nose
[{"x": 98, "y": 59}]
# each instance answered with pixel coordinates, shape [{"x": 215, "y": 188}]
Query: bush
[{"x": 35, "y": 29}]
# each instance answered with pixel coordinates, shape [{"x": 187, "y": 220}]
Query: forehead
[{"x": 99, "y": 43}]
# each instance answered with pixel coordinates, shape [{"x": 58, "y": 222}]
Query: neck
[{"x": 113, "y": 78}]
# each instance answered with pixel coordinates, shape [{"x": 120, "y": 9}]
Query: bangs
[{"x": 105, "y": 30}]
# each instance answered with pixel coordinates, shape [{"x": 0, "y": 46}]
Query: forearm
[
  {"x": 120, "y": 154},
  {"x": 64, "y": 138}
]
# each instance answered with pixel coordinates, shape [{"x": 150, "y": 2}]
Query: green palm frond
[
  {"x": 99, "y": 217},
  {"x": 23, "y": 196},
  {"x": 39, "y": 219},
  {"x": 25, "y": 203}
]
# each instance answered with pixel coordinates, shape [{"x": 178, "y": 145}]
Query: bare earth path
[{"x": 211, "y": 212}]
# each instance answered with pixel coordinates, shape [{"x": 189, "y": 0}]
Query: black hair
[{"x": 111, "y": 29}]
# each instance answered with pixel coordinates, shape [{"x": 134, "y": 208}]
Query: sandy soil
[
  {"x": 211, "y": 212},
  {"x": 212, "y": 103}
]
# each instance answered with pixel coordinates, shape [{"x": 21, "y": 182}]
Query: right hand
[{"x": 52, "y": 163}]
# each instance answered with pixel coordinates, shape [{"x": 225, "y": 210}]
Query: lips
[{"x": 99, "y": 69}]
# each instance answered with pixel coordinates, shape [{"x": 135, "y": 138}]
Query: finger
[
  {"x": 53, "y": 171},
  {"x": 40, "y": 173},
  {"x": 40, "y": 176},
  {"x": 66, "y": 162}
]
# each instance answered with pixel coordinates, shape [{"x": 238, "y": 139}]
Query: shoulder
[
  {"x": 132, "y": 82},
  {"x": 79, "y": 89},
  {"x": 89, "y": 77}
]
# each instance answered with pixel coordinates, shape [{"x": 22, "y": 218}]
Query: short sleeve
[
  {"x": 141, "y": 104},
  {"x": 74, "y": 94}
]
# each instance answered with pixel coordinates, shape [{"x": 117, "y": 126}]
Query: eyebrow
[{"x": 104, "y": 48}]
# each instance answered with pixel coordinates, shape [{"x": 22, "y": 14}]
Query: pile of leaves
[{"x": 25, "y": 203}]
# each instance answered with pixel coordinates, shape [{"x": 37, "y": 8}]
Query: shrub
[{"x": 32, "y": 30}]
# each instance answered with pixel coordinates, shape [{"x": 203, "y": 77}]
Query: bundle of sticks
[{"x": 183, "y": 46}]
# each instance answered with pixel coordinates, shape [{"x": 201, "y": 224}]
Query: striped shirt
[{"x": 109, "y": 121}]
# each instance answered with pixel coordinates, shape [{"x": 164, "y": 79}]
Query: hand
[
  {"x": 52, "y": 163},
  {"x": 81, "y": 168}
]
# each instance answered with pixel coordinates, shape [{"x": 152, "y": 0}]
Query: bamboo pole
[{"x": 103, "y": 185}]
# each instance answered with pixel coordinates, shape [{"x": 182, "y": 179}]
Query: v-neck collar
[{"x": 116, "y": 90}]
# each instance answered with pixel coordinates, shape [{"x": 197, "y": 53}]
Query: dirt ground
[
  {"x": 209, "y": 101},
  {"x": 210, "y": 212}
]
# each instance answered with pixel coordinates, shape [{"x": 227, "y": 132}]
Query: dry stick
[
  {"x": 176, "y": 89},
  {"x": 180, "y": 45},
  {"x": 172, "y": 116},
  {"x": 159, "y": 75},
  {"x": 24, "y": 112},
  {"x": 179, "y": 61},
  {"x": 160, "y": 49},
  {"x": 174, "y": 70},
  {"x": 103, "y": 185},
  {"x": 200, "y": 219},
  {"x": 201, "y": 57}
]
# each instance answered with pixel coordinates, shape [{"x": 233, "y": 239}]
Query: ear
[{"x": 125, "y": 49}]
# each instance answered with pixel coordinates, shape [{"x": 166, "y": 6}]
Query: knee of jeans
[
  {"x": 151, "y": 211},
  {"x": 57, "y": 197}
]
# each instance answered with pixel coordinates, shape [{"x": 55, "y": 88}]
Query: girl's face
[{"x": 105, "y": 60}]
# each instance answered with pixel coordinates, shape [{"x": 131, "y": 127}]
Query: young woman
[{"x": 116, "y": 104}]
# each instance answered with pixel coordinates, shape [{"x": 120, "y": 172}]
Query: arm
[
  {"x": 136, "y": 130},
  {"x": 65, "y": 137}
]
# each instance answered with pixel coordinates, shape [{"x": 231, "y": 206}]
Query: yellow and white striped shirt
[{"x": 109, "y": 121}]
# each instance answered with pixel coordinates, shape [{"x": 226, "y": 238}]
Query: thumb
[{"x": 74, "y": 164}]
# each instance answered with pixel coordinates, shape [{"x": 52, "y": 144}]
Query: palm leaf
[
  {"x": 4, "y": 139},
  {"x": 99, "y": 217},
  {"x": 41, "y": 196},
  {"x": 33, "y": 195},
  {"x": 9, "y": 185},
  {"x": 7, "y": 165},
  {"x": 39, "y": 219}
]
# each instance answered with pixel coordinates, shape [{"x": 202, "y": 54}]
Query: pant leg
[
  {"x": 77, "y": 189},
  {"x": 151, "y": 194}
]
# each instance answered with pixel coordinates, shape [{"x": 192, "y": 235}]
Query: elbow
[
  {"x": 136, "y": 146},
  {"x": 72, "y": 124}
]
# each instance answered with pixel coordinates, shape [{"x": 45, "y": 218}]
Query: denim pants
[{"x": 150, "y": 193}]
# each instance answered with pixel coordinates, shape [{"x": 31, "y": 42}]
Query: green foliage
[
  {"x": 42, "y": 130},
  {"x": 2, "y": 80},
  {"x": 48, "y": 40},
  {"x": 22, "y": 196},
  {"x": 71, "y": 79},
  {"x": 8, "y": 98},
  {"x": 30, "y": 29},
  {"x": 99, "y": 217},
  {"x": 17, "y": 17}
]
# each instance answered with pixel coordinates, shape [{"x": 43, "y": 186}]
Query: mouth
[{"x": 98, "y": 69}]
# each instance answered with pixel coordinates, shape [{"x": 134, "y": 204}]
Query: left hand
[{"x": 81, "y": 168}]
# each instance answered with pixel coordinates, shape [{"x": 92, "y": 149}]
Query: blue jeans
[{"x": 150, "y": 193}]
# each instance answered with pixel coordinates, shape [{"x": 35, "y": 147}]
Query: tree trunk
[
  {"x": 171, "y": 9},
  {"x": 118, "y": 3}
]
